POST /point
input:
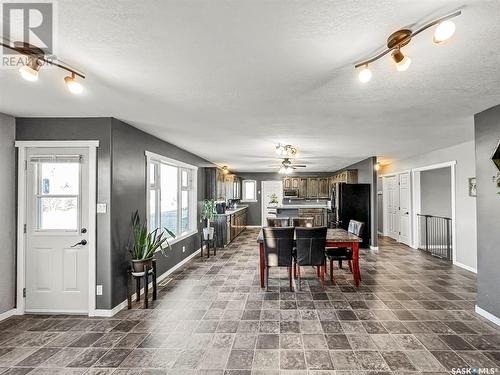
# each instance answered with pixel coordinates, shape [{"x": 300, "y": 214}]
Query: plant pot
[
  {"x": 208, "y": 233},
  {"x": 138, "y": 265}
]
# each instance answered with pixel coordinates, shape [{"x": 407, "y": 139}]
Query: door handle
[{"x": 82, "y": 242}]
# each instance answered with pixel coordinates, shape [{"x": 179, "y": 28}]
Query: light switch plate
[
  {"x": 101, "y": 208},
  {"x": 99, "y": 290}
]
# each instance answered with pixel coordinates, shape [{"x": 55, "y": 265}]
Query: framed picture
[{"x": 472, "y": 187}]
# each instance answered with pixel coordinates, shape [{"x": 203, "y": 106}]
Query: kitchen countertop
[
  {"x": 233, "y": 211},
  {"x": 296, "y": 206}
]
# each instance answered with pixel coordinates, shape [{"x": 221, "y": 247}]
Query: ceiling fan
[{"x": 287, "y": 167}]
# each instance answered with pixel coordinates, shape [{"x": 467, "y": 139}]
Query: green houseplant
[
  {"x": 208, "y": 213},
  {"x": 274, "y": 200},
  {"x": 146, "y": 243}
]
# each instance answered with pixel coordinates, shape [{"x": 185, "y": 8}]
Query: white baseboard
[
  {"x": 374, "y": 248},
  {"x": 380, "y": 233},
  {"x": 468, "y": 268},
  {"x": 8, "y": 314},
  {"x": 487, "y": 315},
  {"x": 254, "y": 226},
  {"x": 111, "y": 312}
]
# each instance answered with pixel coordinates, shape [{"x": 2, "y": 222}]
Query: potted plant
[
  {"x": 146, "y": 243},
  {"x": 274, "y": 200},
  {"x": 208, "y": 213}
]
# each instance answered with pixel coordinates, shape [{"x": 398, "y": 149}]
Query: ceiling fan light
[
  {"x": 30, "y": 71},
  {"x": 73, "y": 85},
  {"x": 288, "y": 170},
  {"x": 365, "y": 74},
  {"x": 444, "y": 31},
  {"x": 402, "y": 62}
]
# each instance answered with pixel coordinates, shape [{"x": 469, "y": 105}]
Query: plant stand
[
  {"x": 138, "y": 276},
  {"x": 208, "y": 243}
]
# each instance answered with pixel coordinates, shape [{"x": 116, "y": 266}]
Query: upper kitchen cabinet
[
  {"x": 349, "y": 176},
  {"x": 323, "y": 187},
  {"x": 295, "y": 182},
  {"x": 232, "y": 185},
  {"x": 303, "y": 187},
  {"x": 312, "y": 187},
  {"x": 215, "y": 184},
  {"x": 287, "y": 183}
]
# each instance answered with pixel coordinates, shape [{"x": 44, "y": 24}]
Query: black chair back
[
  {"x": 311, "y": 246},
  {"x": 278, "y": 246},
  {"x": 303, "y": 222},
  {"x": 356, "y": 227},
  {"x": 277, "y": 222}
]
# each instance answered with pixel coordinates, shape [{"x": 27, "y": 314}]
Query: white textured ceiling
[{"x": 229, "y": 79}]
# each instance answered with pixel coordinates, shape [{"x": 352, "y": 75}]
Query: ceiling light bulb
[
  {"x": 73, "y": 85},
  {"x": 444, "y": 31},
  {"x": 365, "y": 74},
  {"x": 282, "y": 170},
  {"x": 288, "y": 170},
  {"x": 30, "y": 71},
  {"x": 402, "y": 62}
]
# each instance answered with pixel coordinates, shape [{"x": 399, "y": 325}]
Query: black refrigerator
[{"x": 352, "y": 202}]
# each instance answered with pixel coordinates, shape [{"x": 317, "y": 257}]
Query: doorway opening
[
  {"x": 270, "y": 190},
  {"x": 397, "y": 207},
  {"x": 434, "y": 210}
]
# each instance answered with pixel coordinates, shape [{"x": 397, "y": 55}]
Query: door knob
[{"x": 82, "y": 242}]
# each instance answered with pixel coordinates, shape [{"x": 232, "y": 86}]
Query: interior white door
[
  {"x": 404, "y": 208},
  {"x": 268, "y": 189},
  {"x": 392, "y": 206},
  {"x": 56, "y": 230}
]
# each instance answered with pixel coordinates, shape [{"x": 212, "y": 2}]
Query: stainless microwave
[{"x": 291, "y": 193}]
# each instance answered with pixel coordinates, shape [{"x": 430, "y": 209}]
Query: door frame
[
  {"x": 417, "y": 202},
  {"x": 21, "y": 216}
]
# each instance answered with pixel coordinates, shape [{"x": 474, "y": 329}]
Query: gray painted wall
[
  {"x": 8, "y": 213},
  {"x": 435, "y": 192},
  {"x": 121, "y": 184},
  {"x": 487, "y": 136},
  {"x": 129, "y": 194},
  {"x": 84, "y": 129}
]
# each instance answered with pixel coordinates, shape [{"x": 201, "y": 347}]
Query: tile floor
[{"x": 412, "y": 314}]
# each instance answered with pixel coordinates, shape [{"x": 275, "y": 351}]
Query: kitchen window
[
  {"x": 171, "y": 195},
  {"x": 249, "y": 188}
]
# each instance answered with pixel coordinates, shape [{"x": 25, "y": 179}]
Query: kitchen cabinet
[
  {"x": 232, "y": 187},
  {"x": 319, "y": 215},
  {"x": 303, "y": 188},
  {"x": 323, "y": 187},
  {"x": 295, "y": 182},
  {"x": 287, "y": 183},
  {"x": 312, "y": 187},
  {"x": 230, "y": 225}
]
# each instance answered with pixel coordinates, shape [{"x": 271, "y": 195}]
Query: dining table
[{"x": 335, "y": 237}]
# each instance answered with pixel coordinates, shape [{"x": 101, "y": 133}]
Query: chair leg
[
  {"x": 267, "y": 279},
  {"x": 298, "y": 269},
  {"x": 322, "y": 272},
  {"x": 350, "y": 266},
  {"x": 317, "y": 271},
  {"x": 331, "y": 271},
  {"x": 340, "y": 264},
  {"x": 295, "y": 269},
  {"x": 290, "y": 277}
]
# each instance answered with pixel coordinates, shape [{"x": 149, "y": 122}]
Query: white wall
[
  {"x": 465, "y": 210},
  {"x": 435, "y": 192},
  {"x": 7, "y": 212}
]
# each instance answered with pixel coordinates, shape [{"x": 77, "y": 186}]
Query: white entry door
[
  {"x": 404, "y": 208},
  {"x": 57, "y": 256},
  {"x": 268, "y": 189},
  {"x": 392, "y": 194}
]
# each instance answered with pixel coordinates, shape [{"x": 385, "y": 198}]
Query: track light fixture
[
  {"x": 36, "y": 59},
  {"x": 444, "y": 31}
]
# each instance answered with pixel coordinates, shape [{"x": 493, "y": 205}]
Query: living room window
[{"x": 171, "y": 195}]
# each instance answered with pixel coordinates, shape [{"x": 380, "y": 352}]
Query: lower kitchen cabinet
[{"x": 228, "y": 226}]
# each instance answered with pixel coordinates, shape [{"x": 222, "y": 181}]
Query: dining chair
[
  {"x": 305, "y": 222},
  {"x": 344, "y": 253},
  {"x": 278, "y": 222},
  {"x": 278, "y": 247},
  {"x": 310, "y": 245}
]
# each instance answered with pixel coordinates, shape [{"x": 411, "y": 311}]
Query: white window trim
[
  {"x": 193, "y": 201},
  {"x": 243, "y": 200}
]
